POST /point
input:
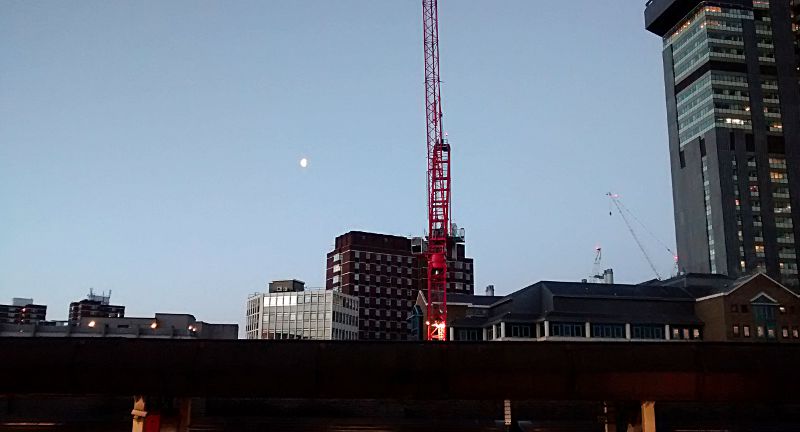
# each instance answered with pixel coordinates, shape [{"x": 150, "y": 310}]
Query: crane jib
[{"x": 438, "y": 179}]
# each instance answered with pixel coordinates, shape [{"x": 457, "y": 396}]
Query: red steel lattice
[{"x": 438, "y": 179}]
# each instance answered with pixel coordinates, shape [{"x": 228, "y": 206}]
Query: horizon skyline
[{"x": 154, "y": 150}]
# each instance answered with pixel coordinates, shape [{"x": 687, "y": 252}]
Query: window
[
  {"x": 647, "y": 332},
  {"x": 568, "y": 329},
  {"x": 736, "y": 330},
  {"x": 785, "y": 332},
  {"x": 521, "y": 331},
  {"x": 468, "y": 335},
  {"x": 760, "y": 331},
  {"x": 746, "y": 331},
  {"x": 795, "y": 333},
  {"x": 608, "y": 331},
  {"x": 734, "y": 308},
  {"x": 743, "y": 308}
]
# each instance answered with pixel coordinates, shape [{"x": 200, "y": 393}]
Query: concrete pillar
[
  {"x": 184, "y": 414},
  {"x": 546, "y": 329},
  {"x": 648, "y": 416},
  {"x": 628, "y": 331},
  {"x": 666, "y": 332},
  {"x": 503, "y": 330},
  {"x": 452, "y": 335},
  {"x": 138, "y": 414},
  {"x": 610, "y": 417},
  {"x": 588, "y": 330}
]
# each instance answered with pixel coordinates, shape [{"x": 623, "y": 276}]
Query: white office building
[{"x": 288, "y": 311}]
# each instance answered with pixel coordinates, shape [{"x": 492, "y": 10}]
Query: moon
[{"x": 303, "y": 163}]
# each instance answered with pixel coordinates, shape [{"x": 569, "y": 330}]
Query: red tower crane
[{"x": 438, "y": 179}]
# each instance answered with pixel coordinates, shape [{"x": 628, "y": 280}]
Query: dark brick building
[
  {"x": 22, "y": 311},
  {"x": 753, "y": 308},
  {"x": 692, "y": 307},
  {"x": 95, "y": 306},
  {"x": 385, "y": 272}
]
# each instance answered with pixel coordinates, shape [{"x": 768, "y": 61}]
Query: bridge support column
[
  {"x": 648, "y": 416},
  {"x": 138, "y": 412},
  {"x": 630, "y": 417},
  {"x": 170, "y": 415}
]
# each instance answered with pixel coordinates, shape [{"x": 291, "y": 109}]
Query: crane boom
[
  {"x": 438, "y": 178},
  {"x": 615, "y": 200}
]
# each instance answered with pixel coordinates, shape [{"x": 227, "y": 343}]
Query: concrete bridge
[{"x": 644, "y": 373}]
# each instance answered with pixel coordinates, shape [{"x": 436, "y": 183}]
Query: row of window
[
  {"x": 578, "y": 330},
  {"x": 745, "y": 309},
  {"x": 768, "y": 332}
]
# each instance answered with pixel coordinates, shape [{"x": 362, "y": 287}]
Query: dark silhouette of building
[
  {"x": 95, "y": 306},
  {"x": 581, "y": 311},
  {"x": 692, "y": 307},
  {"x": 733, "y": 105},
  {"x": 385, "y": 272},
  {"x": 753, "y": 308},
  {"x": 161, "y": 326},
  {"x": 22, "y": 311}
]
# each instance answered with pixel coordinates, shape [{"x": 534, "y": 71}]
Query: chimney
[
  {"x": 490, "y": 290},
  {"x": 608, "y": 276}
]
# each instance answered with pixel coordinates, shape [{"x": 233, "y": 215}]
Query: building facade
[
  {"x": 692, "y": 307},
  {"x": 22, "y": 311},
  {"x": 288, "y": 311},
  {"x": 580, "y": 311},
  {"x": 161, "y": 326},
  {"x": 460, "y": 268},
  {"x": 95, "y": 306},
  {"x": 385, "y": 272},
  {"x": 753, "y": 308},
  {"x": 733, "y": 107}
]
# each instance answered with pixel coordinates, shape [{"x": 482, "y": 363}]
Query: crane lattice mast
[{"x": 438, "y": 179}]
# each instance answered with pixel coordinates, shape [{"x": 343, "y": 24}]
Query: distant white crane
[{"x": 626, "y": 214}]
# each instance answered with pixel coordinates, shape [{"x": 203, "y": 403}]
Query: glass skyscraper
[{"x": 733, "y": 107}]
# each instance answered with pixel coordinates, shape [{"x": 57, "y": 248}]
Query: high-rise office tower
[{"x": 733, "y": 104}]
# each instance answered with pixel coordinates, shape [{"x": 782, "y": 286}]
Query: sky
[{"x": 152, "y": 148}]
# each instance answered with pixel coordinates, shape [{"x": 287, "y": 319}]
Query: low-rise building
[
  {"x": 161, "y": 326},
  {"x": 289, "y": 311},
  {"x": 95, "y": 306},
  {"x": 570, "y": 311},
  {"x": 754, "y": 308},
  {"x": 22, "y": 311},
  {"x": 690, "y": 307}
]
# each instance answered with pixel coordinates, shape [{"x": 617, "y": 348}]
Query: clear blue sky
[{"x": 151, "y": 148}]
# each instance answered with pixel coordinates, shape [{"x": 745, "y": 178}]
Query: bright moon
[{"x": 303, "y": 162}]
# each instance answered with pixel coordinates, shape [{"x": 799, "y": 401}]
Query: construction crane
[
  {"x": 626, "y": 214},
  {"x": 438, "y": 179},
  {"x": 597, "y": 268}
]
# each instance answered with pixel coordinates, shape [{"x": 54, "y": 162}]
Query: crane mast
[{"x": 438, "y": 179}]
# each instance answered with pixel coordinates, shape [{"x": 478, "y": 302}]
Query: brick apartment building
[
  {"x": 22, "y": 311},
  {"x": 95, "y": 306},
  {"x": 385, "y": 272}
]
